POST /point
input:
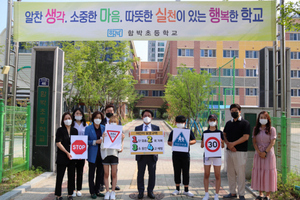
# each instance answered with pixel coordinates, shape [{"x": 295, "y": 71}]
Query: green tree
[
  {"x": 290, "y": 17},
  {"x": 189, "y": 92}
]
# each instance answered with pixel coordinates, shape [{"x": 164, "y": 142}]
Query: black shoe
[
  {"x": 100, "y": 194},
  {"x": 141, "y": 195},
  {"x": 117, "y": 188},
  {"x": 259, "y": 198},
  {"x": 101, "y": 188},
  {"x": 266, "y": 198},
  {"x": 229, "y": 196},
  {"x": 93, "y": 196},
  {"x": 151, "y": 195},
  {"x": 59, "y": 198},
  {"x": 242, "y": 198},
  {"x": 70, "y": 198}
]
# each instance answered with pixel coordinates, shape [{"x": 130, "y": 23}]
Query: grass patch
[
  {"x": 127, "y": 120},
  {"x": 287, "y": 191},
  {"x": 170, "y": 123},
  {"x": 12, "y": 181},
  {"x": 16, "y": 162}
]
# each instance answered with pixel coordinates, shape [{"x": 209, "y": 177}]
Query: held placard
[
  {"x": 146, "y": 142},
  {"x": 79, "y": 146},
  {"x": 212, "y": 145}
]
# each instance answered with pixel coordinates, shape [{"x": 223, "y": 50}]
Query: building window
[
  {"x": 144, "y": 81},
  {"x": 229, "y": 91},
  {"x": 295, "y": 111},
  {"x": 152, "y": 59},
  {"x": 228, "y": 72},
  {"x": 157, "y": 93},
  {"x": 294, "y": 36},
  {"x": 152, "y": 49},
  {"x": 230, "y": 53},
  {"x": 295, "y": 92},
  {"x": 251, "y": 91},
  {"x": 251, "y": 54},
  {"x": 160, "y": 55},
  {"x": 208, "y": 53},
  {"x": 161, "y": 49},
  {"x": 186, "y": 52},
  {"x": 152, "y": 81},
  {"x": 295, "y": 73},
  {"x": 161, "y": 44},
  {"x": 153, "y": 71},
  {"x": 144, "y": 93},
  {"x": 251, "y": 72},
  {"x": 144, "y": 71},
  {"x": 159, "y": 60},
  {"x": 295, "y": 55},
  {"x": 213, "y": 72}
]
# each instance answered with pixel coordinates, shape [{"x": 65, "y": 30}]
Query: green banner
[{"x": 42, "y": 116}]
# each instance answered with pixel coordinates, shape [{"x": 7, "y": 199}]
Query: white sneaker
[
  {"x": 189, "y": 194},
  {"x": 176, "y": 192},
  {"x": 78, "y": 193},
  {"x": 74, "y": 194},
  {"x": 112, "y": 195},
  {"x": 107, "y": 195},
  {"x": 216, "y": 197},
  {"x": 206, "y": 197}
]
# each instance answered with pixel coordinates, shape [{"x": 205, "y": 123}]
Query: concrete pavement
[{"x": 127, "y": 174}]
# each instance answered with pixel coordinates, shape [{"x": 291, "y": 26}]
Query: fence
[
  {"x": 287, "y": 144},
  {"x": 14, "y": 139}
]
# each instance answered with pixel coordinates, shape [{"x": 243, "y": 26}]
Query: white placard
[
  {"x": 113, "y": 139},
  {"x": 181, "y": 140},
  {"x": 79, "y": 146},
  {"x": 212, "y": 145},
  {"x": 147, "y": 142}
]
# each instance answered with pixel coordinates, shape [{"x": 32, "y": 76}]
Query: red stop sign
[{"x": 79, "y": 147}]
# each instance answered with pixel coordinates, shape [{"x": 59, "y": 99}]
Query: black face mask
[
  {"x": 109, "y": 115},
  {"x": 235, "y": 115}
]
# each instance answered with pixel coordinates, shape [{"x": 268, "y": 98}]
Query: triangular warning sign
[
  {"x": 113, "y": 135},
  {"x": 180, "y": 141}
]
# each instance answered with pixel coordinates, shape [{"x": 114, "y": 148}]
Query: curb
[
  {"x": 253, "y": 192},
  {"x": 26, "y": 186},
  {"x": 168, "y": 125}
]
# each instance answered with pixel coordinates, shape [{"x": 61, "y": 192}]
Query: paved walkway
[{"x": 127, "y": 174}]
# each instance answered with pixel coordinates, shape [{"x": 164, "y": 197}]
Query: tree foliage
[
  {"x": 188, "y": 93},
  {"x": 290, "y": 17}
]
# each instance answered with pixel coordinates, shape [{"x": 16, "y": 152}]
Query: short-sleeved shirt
[
  {"x": 235, "y": 130},
  {"x": 215, "y": 131},
  {"x": 181, "y": 154}
]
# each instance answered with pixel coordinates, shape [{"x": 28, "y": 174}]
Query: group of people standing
[{"x": 235, "y": 135}]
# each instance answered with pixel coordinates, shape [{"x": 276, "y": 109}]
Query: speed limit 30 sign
[{"x": 212, "y": 144}]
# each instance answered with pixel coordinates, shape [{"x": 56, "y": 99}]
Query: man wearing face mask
[
  {"x": 236, "y": 134},
  {"x": 149, "y": 160},
  {"x": 109, "y": 112}
]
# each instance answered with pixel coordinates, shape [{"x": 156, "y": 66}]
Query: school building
[{"x": 209, "y": 56}]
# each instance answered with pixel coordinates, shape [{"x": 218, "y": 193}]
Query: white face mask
[
  {"x": 147, "y": 120},
  {"x": 97, "y": 121},
  {"x": 263, "y": 121},
  {"x": 180, "y": 125},
  {"x": 78, "y": 118},
  {"x": 68, "y": 122},
  {"x": 113, "y": 123},
  {"x": 212, "y": 123}
]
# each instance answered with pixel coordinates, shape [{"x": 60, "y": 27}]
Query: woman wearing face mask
[
  {"x": 217, "y": 162},
  {"x": 64, "y": 158},
  {"x": 80, "y": 125},
  {"x": 264, "y": 172},
  {"x": 94, "y": 133}
]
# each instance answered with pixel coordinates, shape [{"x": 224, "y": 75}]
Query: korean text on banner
[
  {"x": 184, "y": 20},
  {"x": 147, "y": 142},
  {"x": 212, "y": 145},
  {"x": 113, "y": 139},
  {"x": 181, "y": 140},
  {"x": 79, "y": 146}
]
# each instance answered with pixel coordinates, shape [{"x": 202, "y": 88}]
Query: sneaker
[
  {"x": 206, "y": 197},
  {"x": 176, "y": 192},
  {"x": 74, "y": 194},
  {"x": 216, "y": 197},
  {"x": 107, "y": 195},
  {"x": 79, "y": 194},
  {"x": 112, "y": 195},
  {"x": 189, "y": 194}
]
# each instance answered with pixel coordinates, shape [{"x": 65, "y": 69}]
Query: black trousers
[
  {"x": 79, "y": 165},
  {"x": 181, "y": 165},
  {"x": 146, "y": 160},
  {"x": 98, "y": 168},
  {"x": 60, "y": 172}
]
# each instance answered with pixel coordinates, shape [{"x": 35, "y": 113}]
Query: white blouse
[{"x": 80, "y": 128}]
